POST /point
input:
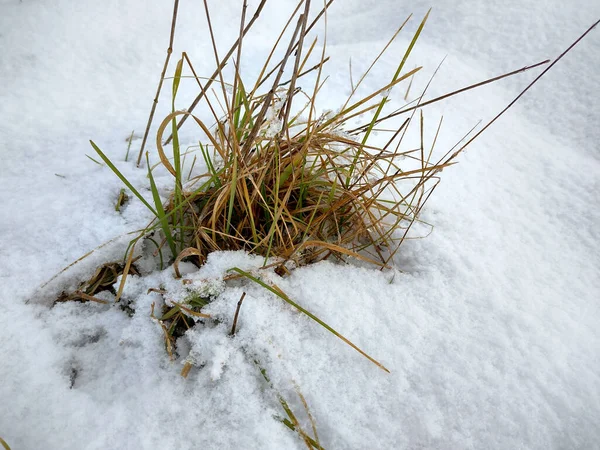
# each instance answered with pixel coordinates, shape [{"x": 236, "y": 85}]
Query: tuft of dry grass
[{"x": 283, "y": 179}]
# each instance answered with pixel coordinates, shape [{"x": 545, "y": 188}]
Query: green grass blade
[
  {"x": 278, "y": 292},
  {"x": 177, "y": 79},
  {"x": 214, "y": 175},
  {"x": 233, "y": 188},
  {"x": 160, "y": 211},
  {"x": 286, "y": 408},
  {"x": 170, "y": 313},
  {"x": 290, "y": 423},
  {"x": 385, "y": 98},
  {"x": 159, "y": 250},
  {"x": 178, "y": 218},
  {"x": 122, "y": 178},
  {"x": 96, "y": 161},
  {"x": 412, "y": 44},
  {"x": 239, "y": 100}
]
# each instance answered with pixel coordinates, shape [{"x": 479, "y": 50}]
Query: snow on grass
[{"x": 490, "y": 330}]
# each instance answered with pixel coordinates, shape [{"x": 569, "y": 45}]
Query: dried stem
[
  {"x": 160, "y": 83},
  {"x": 237, "y": 312},
  {"x": 220, "y": 67}
]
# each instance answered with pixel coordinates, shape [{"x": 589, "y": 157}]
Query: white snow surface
[{"x": 489, "y": 326}]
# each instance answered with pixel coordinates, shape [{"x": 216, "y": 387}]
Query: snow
[{"x": 489, "y": 327}]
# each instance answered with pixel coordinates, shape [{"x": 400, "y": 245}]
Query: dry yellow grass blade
[
  {"x": 81, "y": 258},
  {"x": 168, "y": 340},
  {"x": 310, "y": 417},
  {"x": 125, "y": 272},
  {"x": 190, "y": 311},
  {"x": 91, "y": 298},
  {"x": 339, "y": 249},
  {"x": 190, "y": 251},
  {"x": 277, "y": 291},
  {"x": 187, "y": 367}
]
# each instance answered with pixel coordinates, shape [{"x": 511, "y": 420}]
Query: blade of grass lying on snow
[
  {"x": 291, "y": 421},
  {"x": 279, "y": 293},
  {"x": 293, "y": 424},
  {"x": 93, "y": 160}
]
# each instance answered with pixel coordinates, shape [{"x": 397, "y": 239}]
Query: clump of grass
[
  {"x": 289, "y": 182},
  {"x": 284, "y": 180}
]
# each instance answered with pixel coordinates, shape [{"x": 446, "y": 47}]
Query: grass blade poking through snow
[
  {"x": 291, "y": 421},
  {"x": 279, "y": 293}
]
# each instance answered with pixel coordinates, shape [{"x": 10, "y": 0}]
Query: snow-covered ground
[{"x": 490, "y": 332}]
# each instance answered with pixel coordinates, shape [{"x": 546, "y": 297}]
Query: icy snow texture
[{"x": 491, "y": 332}]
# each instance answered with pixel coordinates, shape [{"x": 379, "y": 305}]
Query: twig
[
  {"x": 238, "y": 58},
  {"x": 313, "y": 68},
  {"x": 288, "y": 105},
  {"x": 237, "y": 312},
  {"x": 267, "y": 101},
  {"x": 310, "y": 27},
  {"x": 455, "y": 154},
  {"x": 220, "y": 68},
  {"x": 450, "y": 94},
  {"x": 162, "y": 77}
]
